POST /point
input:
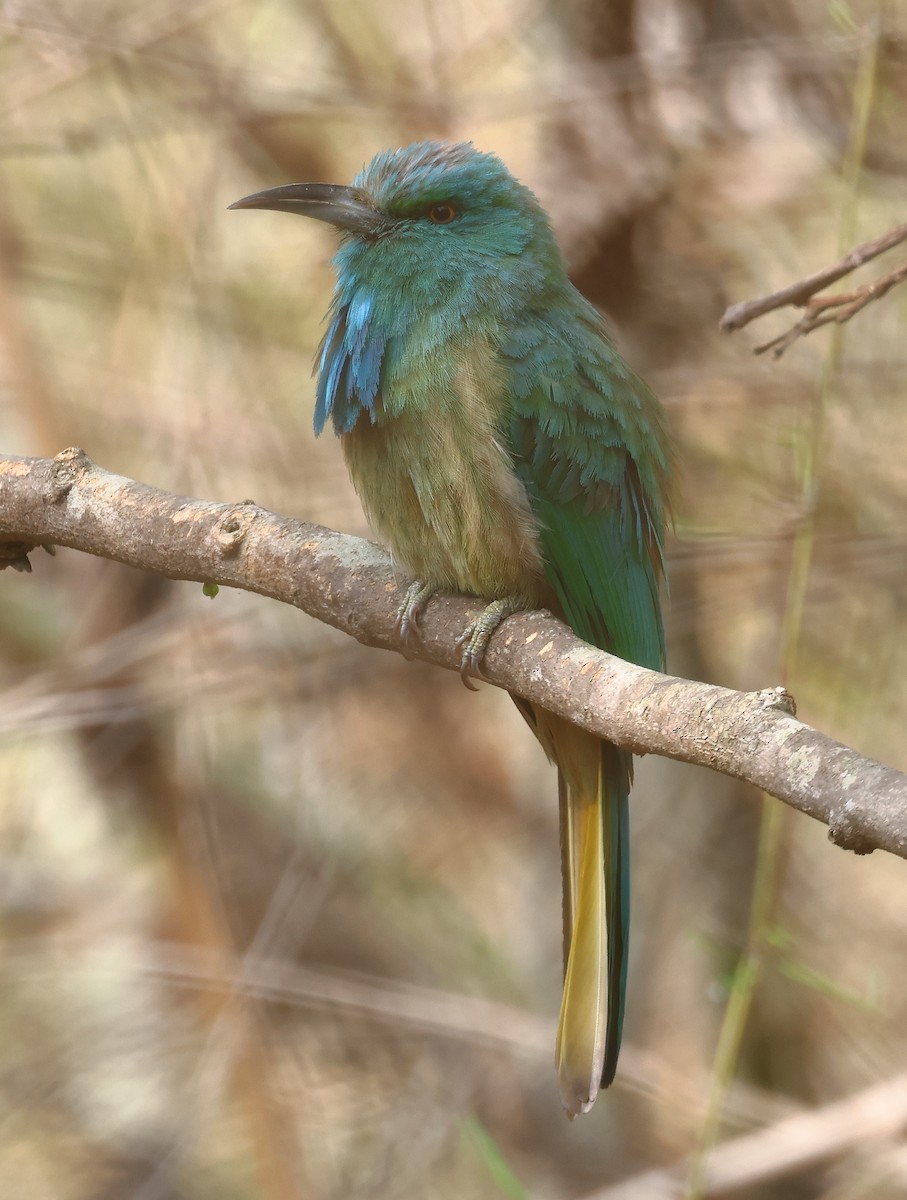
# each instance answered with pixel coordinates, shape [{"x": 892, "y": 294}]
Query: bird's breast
[{"x": 439, "y": 487}]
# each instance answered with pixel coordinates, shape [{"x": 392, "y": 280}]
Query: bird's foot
[
  {"x": 475, "y": 637},
  {"x": 417, "y": 596}
]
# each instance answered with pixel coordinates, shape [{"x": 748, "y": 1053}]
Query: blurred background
[{"x": 281, "y": 914}]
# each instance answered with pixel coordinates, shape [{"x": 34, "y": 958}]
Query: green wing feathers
[{"x": 588, "y": 442}]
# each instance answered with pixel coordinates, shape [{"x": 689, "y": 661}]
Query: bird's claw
[
  {"x": 411, "y": 609},
  {"x": 474, "y": 639},
  {"x": 472, "y": 642}
]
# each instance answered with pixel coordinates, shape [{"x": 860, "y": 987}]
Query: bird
[{"x": 502, "y": 448}]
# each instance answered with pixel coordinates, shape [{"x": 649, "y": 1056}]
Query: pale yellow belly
[{"x": 446, "y": 502}]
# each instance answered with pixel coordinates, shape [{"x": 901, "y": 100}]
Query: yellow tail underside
[{"x": 580, "y": 1046}]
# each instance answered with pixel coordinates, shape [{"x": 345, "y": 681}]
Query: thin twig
[
  {"x": 804, "y": 1139},
  {"x": 822, "y": 310},
  {"x": 798, "y": 294}
]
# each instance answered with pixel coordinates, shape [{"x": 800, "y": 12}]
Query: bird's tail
[
  {"x": 594, "y": 785},
  {"x": 594, "y": 780}
]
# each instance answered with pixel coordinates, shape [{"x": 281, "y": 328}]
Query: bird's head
[{"x": 432, "y": 224}]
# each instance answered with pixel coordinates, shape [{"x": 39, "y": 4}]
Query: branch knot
[
  {"x": 69, "y": 467},
  {"x": 233, "y": 527}
]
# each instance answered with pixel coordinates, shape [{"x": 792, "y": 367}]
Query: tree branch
[
  {"x": 351, "y": 584},
  {"x": 821, "y": 310}
]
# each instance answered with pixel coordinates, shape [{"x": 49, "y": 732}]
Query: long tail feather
[
  {"x": 582, "y": 1028},
  {"x": 616, "y": 776},
  {"x": 595, "y": 848},
  {"x": 594, "y": 780}
]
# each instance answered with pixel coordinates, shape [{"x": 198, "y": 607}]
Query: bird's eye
[{"x": 443, "y": 213}]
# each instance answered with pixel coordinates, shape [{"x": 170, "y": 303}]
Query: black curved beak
[{"x": 346, "y": 207}]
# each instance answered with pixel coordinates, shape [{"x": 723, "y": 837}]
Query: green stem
[
  {"x": 811, "y": 444},
  {"x": 742, "y": 989},
  {"x": 751, "y": 964}
]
